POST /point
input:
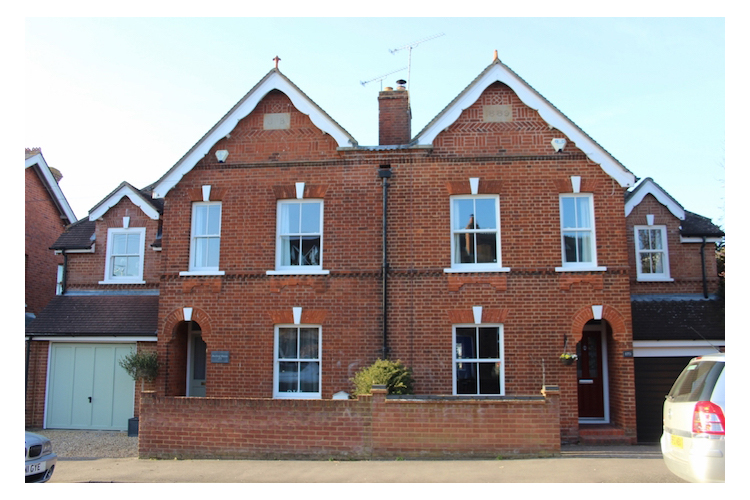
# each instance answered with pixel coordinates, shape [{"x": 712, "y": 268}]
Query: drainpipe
[
  {"x": 28, "y": 354},
  {"x": 385, "y": 173},
  {"x": 703, "y": 268}
]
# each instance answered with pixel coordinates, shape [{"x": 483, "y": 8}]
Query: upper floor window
[
  {"x": 652, "y": 259},
  {"x": 125, "y": 254},
  {"x": 299, "y": 242},
  {"x": 297, "y": 362},
  {"x": 478, "y": 360},
  {"x": 205, "y": 237},
  {"x": 577, "y": 232},
  {"x": 475, "y": 233}
]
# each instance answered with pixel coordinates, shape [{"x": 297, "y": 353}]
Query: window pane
[
  {"x": 289, "y": 222},
  {"x": 132, "y": 266},
  {"x": 212, "y": 258},
  {"x": 489, "y": 378},
  {"x": 486, "y": 214},
  {"x": 463, "y": 214},
  {"x": 643, "y": 239},
  {"x": 569, "y": 241},
  {"x": 583, "y": 218},
  {"x": 310, "y": 251},
  {"x": 466, "y": 378},
  {"x": 656, "y": 243},
  {"x": 214, "y": 219},
  {"x": 287, "y": 343},
  {"x": 119, "y": 266},
  {"x": 489, "y": 346},
  {"x": 310, "y": 218},
  {"x": 584, "y": 247},
  {"x": 464, "y": 248},
  {"x": 486, "y": 247},
  {"x": 288, "y": 377},
  {"x": 119, "y": 244},
  {"x": 465, "y": 343},
  {"x": 309, "y": 377},
  {"x": 200, "y": 220},
  {"x": 569, "y": 212},
  {"x": 133, "y": 245},
  {"x": 290, "y": 251},
  {"x": 308, "y": 343}
]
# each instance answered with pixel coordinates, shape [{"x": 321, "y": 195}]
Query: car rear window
[{"x": 696, "y": 382}]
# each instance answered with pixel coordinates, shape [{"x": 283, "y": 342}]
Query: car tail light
[{"x": 708, "y": 419}]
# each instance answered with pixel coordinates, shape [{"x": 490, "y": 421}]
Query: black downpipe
[
  {"x": 28, "y": 354},
  {"x": 703, "y": 268},
  {"x": 385, "y": 174}
]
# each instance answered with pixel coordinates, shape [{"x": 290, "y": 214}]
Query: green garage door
[{"x": 88, "y": 389}]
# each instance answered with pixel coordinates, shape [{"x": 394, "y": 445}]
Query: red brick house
[
  {"x": 476, "y": 252},
  {"x": 677, "y": 313}
]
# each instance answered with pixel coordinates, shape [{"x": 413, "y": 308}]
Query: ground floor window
[
  {"x": 478, "y": 360},
  {"x": 297, "y": 362}
]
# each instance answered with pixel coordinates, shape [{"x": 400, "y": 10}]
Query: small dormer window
[
  {"x": 125, "y": 255},
  {"x": 652, "y": 259}
]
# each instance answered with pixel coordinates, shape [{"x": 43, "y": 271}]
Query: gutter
[{"x": 385, "y": 173}]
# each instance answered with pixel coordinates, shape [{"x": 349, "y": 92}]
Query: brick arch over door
[
  {"x": 177, "y": 316},
  {"x": 609, "y": 313}
]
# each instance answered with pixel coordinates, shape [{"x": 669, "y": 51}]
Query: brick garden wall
[{"x": 369, "y": 427}]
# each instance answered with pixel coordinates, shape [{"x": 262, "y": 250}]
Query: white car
[
  {"x": 40, "y": 461},
  {"x": 694, "y": 423}
]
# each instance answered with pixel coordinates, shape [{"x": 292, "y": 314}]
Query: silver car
[
  {"x": 694, "y": 423},
  {"x": 40, "y": 461}
]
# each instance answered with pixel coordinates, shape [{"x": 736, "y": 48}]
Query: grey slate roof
[
  {"x": 78, "y": 236},
  {"x": 697, "y": 225},
  {"x": 97, "y": 315},
  {"x": 675, "y": 319}
]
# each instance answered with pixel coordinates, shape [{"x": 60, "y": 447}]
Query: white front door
[
  {"x": 87, "y": 387},
  {"x": 196, "y": 384}
]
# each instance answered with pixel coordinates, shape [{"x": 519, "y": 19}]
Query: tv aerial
[
  {"x": 382, "y": 77},
  {"x": 411, "y": 46}
]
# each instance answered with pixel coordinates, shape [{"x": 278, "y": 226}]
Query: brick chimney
[{"x": 395, "y": 115}]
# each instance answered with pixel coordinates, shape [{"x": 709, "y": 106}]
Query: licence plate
[
  {"x": 34, "y": 468},
  {"x": 676, "y": 441}
]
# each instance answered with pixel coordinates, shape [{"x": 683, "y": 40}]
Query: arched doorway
[
  {"x": 593, "y": 372},
  {"x": 187, "y": 353}
]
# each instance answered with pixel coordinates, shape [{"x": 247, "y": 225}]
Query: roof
[
  {"x": 274, "y": 80},
  {"x": 139, "y": 198},
  {"x": 34, "y": 158},
  {"x": 497, "y": 71},
  {"x": 97, "y": 315},
  {"x": 677, "y": 319},
  {"x": 78, "y": 236},
  {"x": 692, "y": 223}
]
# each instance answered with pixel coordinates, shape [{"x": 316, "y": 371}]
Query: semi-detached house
[{"x": 278, "y": 257}]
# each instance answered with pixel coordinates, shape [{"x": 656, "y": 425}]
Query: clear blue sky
[{"x": 114, "y": 99}]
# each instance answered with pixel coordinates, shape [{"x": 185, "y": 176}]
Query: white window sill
[
  {"x": 201, "y": 273},
  {"x": 581, "y": 269},
  {"x": 647, "y": 279},
  {"x": 298, "y": 272},
  {"x": 450, "y": 270},
  {"x": 296, "y": 395},
  {"x": 123, "y": 282}
]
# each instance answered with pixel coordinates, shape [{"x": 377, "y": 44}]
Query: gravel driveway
[{"x": 72, "y": 445}]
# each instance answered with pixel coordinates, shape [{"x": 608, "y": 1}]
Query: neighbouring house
[
  {"x": 107, "y": 307},
  {"x": 677, "y": 312},
  {"x": 288, "y": 257}
]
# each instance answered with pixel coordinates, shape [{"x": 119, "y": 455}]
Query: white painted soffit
[
  {"x": 38, "y": 159},
  {"x": 274, "y": 80},
  {"x": 497, "y": 71},
  {"x": 648, "y": 186},
  {"x": 124, "y": 190}
]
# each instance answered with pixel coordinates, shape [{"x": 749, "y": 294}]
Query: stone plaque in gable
[
  {"x": 497, "y": 113},
  {"x": 276, "y": 121}
]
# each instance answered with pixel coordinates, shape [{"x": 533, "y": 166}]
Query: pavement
[{"x": 576, "y": 464}]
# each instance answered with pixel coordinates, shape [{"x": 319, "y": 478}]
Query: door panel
[
  {"x": 197, "y": 367},
  {"x": 590, "y": 376}
]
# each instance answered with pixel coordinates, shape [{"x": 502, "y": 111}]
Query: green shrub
[
  {"x": 141, "y": 365},
  {"x": 394, "y": 375}
]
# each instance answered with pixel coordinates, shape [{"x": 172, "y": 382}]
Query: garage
[
  {"x": 653, "y": 380},
  {"x": 87, "y": 387}
]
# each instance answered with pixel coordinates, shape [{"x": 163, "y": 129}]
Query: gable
[
  {"x": 35, "y": 159},
  {"x": 274, "y": 80},
  {"x": 646, "y": 187},
  {"x": 124, "y": 190},
  {"x": 498, "y": 72}
]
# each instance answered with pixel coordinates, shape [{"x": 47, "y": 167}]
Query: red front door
[{"x": 590, "y": 375}]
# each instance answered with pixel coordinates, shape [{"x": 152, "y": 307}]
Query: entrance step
[{"x": 591, "y": 434}]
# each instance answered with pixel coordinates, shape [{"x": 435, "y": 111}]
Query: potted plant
[
  {"x": 141, "y": 366},
  {"x": 567, "y": 358}
]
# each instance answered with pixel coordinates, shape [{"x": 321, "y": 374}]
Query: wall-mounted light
[
  {"x": 559, "y": 144},
  {"x": 221, "y": 155}
]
